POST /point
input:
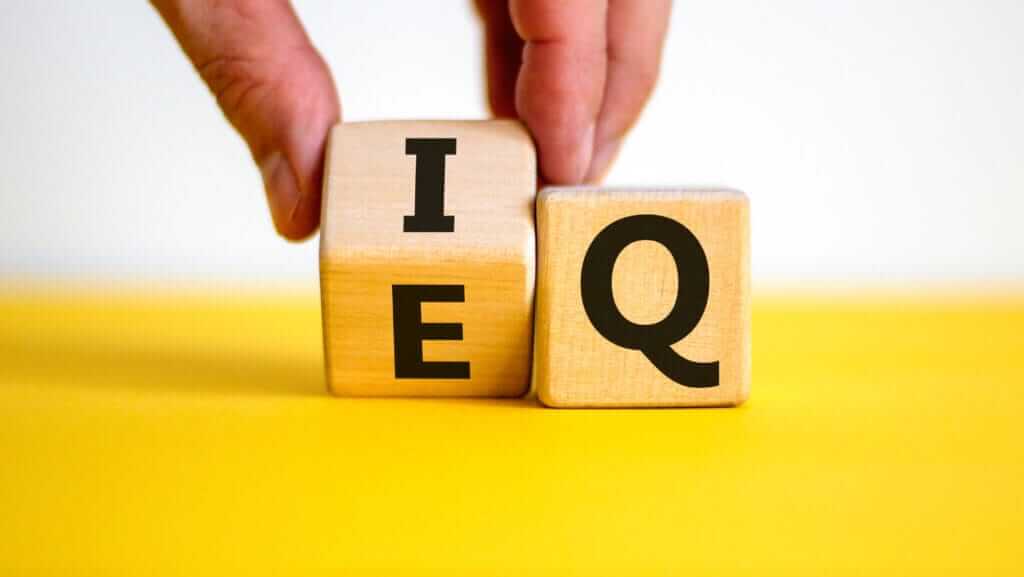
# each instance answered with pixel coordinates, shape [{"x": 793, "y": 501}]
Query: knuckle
[{"x": 232, "y": 80}]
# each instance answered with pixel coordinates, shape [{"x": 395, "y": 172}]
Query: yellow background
[{"x": 191, "y": 435}]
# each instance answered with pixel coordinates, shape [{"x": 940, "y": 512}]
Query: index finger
[{"x": 562, "y": 80}]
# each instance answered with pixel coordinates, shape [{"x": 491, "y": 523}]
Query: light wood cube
[
  {"x": 427, "y": 258},
  {"x": 643, "y": 298}
]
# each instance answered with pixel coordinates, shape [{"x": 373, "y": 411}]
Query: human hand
[{"x": 577, "y": 72}]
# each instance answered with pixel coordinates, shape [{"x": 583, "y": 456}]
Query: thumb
[{"x": 273, "y": 87}]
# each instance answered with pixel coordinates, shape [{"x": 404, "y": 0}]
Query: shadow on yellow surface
[
  {"x": 170, "y": 369},
  {"x": 187, "y": 345}
]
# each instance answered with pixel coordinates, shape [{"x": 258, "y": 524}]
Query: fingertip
[
  {"x": 561, "y": 111},
  {"x": 561, "y": 82},
  {"x": 303, "y": 222},
  {"x": 565, "y": 158},
  {"x": 295, "y": 214},
  {"x": 604, "y": 156}
]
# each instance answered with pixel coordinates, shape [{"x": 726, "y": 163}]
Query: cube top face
[
  {"x": 643, "y": 297},
  {"x": 489, "y": 170},
  {"x": 427, "y": 258}
]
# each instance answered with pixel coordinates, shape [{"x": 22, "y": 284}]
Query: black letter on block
[
  {"x": 653, "y": 340},
  {"x": 429, "y": 214},
  {"x": 411, "y": 331}
]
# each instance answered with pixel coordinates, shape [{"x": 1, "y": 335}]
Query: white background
[{"x": 881, "y": 142}]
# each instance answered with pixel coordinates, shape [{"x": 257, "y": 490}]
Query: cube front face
[
  {"x": 643, "y": 298},
  {"x": 427, "y": 258}
]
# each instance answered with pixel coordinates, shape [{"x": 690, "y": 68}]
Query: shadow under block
[
  {"x": 427, "y": 258},
  {"x": 643, "y": 298}
]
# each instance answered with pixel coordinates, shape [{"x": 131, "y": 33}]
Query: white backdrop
[{"x": 881, "y": 141}]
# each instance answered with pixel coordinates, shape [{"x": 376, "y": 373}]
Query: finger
[
  {"x": 275, "y": 89},
  {"x": 636, "y": 33},
  {"x": 503, "y": 49},
  {"x": 561, "y": 82}
]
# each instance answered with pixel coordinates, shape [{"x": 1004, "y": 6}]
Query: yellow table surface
[{"x": 192, "y": 435}]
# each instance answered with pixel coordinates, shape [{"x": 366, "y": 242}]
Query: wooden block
[
  {"x": 643, "y": 298},
  {"x": 427, "y": 258}
]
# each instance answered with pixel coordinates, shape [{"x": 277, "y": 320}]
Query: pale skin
[{"x": 576, "y": 72}]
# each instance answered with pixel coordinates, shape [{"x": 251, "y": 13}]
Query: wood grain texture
[
  {"x": 575, "y": 365},
  {"x": 490, "y": 186}
]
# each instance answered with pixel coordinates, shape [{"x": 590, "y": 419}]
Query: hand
[{"x": 577, "y": 72}]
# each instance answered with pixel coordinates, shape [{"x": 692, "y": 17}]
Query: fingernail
[
  {"x": 586, "y": 152},
  {"x": 282, "y": 190},
  {"x": 604, "y": 155}
]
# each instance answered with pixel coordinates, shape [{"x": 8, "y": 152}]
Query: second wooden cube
[
  {"x": 427, "y": 258},
  {"x": 643, "y": 298}
]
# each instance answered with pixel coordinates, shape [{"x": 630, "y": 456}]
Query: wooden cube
[
  {"x": 427, "y": 258},
  {"x": 643, "y": 298}
]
